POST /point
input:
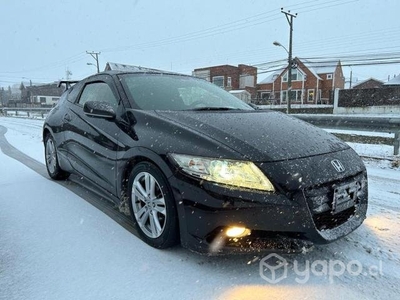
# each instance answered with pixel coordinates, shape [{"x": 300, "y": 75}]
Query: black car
[{"x": 193, "y": 164}]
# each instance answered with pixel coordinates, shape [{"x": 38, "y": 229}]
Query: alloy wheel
[{"x": 148, "y": 204}]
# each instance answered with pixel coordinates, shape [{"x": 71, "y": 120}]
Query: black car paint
[{"x": 294, "y": 155}]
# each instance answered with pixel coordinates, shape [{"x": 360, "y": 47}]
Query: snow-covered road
[{"x": 54, "y": 244}]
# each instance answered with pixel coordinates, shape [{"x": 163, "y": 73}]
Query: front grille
[{"x": 320, "y": 200}]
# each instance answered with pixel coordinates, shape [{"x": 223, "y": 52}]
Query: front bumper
[{"x": 283, "y": 222}]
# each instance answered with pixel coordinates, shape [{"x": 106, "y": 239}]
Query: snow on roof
[
  {"x": 394, "y": 81},
  {"x": 123, "y": 67},
  {"x": 271, "y": 77},
  {"x": 318, "y": 68}
]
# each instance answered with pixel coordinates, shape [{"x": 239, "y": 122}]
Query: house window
[
  {"x": 229, "y": 82},
  {"x": 296, "y": 76},
  {"x": 329, "y": 76},
  {"x": 310, "y": 95},
  {"x": 283, "y": 96},
  {"x": 246, "y": 81},
  {"x": 42, "y": 99},
  {"x": 298, "y": 95},
  {"x": 219, "y": 80},
  {"x": 54, "y": 99},
  {"x": 295, "y": 96}
]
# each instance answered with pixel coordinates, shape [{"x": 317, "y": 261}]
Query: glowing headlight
[{"x": 244, "y": 174}]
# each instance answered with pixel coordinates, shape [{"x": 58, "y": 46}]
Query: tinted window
[{"x": 98, "y": 91}]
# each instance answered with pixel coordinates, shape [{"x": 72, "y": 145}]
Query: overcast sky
[{"x": 41, "y": 39}]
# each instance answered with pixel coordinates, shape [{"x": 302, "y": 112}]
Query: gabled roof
[
  {"x": 394, "y": 81},
  {"x": 50, "y": 89},
  {"x": 315, "y": 67},
  {"x": 270, "y": 78},
  {"x": 318, "y": 67},
  {"x": 366, "y": 80}
]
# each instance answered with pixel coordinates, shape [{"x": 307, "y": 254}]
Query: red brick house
[
  {"x": 312, "y": 83},
  {"x": 370, "y": 83},
  {"x": 242, "y": 77}
]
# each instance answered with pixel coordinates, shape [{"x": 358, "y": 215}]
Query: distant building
[
  {"x": 231, "y": 78},
  {"x": 44, "y": 94},
  {"x": 312, "y": 83},
  {"x": 370, "y": 83},
  {"x": 395, "y": 82}
]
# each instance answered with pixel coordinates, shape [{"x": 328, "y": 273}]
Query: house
[
  {"x": 395, "y": 82},
  {"x": 312, "y": 83},
  {"x": 231, "y": 78},
  {"x": 43, "y": 94},
  {"x": 370, "y": 83}
]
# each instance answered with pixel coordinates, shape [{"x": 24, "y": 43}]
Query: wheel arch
[
  {"x": 46, "y": 130},
  {"x": 137, "y": 155}
]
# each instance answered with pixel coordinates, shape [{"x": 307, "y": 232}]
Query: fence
[
  {"x": 26, "y": 112},
  {"x": 359, "y": 123}
]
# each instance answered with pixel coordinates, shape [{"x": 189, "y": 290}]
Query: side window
[{"x": 98, "y": 91}]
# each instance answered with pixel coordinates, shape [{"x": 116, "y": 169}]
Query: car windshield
[{"x": 173, "y": 92}]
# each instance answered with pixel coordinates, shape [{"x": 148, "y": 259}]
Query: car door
[{"x": 92, "y": 141}]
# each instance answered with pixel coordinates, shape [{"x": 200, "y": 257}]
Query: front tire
[
  {"x": 152, "y": 206},
  {"x": 53, "y": 168}
]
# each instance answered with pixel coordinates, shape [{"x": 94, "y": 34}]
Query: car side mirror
[{"x": 99, "y": 109}]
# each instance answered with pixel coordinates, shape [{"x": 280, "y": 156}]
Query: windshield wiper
[{"x": 213, "y": 108}]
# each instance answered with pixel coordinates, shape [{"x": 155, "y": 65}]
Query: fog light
[{"x": 236, "y": 232}]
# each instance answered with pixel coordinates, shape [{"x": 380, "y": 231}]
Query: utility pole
[
  {"x": 67, "y": 74},
  {"x": 289, "y": 17},
  {"x": 95, "y": 56}
]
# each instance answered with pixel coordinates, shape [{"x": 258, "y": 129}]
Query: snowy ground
[{"x": 55, "y": 245}]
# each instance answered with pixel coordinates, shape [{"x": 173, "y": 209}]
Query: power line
[{"x": 216, "y": 30}]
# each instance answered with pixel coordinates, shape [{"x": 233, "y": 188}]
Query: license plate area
[{"x": 345, "y": 196}]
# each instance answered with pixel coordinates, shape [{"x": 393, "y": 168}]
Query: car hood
[{"x": 259, "y": 135}]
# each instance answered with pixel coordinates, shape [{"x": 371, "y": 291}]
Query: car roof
[
  {"x": 120, "y": 72},
  {"x": 145, "y": 71}
]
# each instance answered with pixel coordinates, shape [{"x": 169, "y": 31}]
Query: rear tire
[
  {"x": 152, "y": 206},
  {"x": 53, "y": 168}
]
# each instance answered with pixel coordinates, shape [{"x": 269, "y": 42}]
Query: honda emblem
[{"x": 337, "y": 164}]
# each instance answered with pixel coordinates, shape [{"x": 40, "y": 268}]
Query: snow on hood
[{"x": 260, "y": 135}]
